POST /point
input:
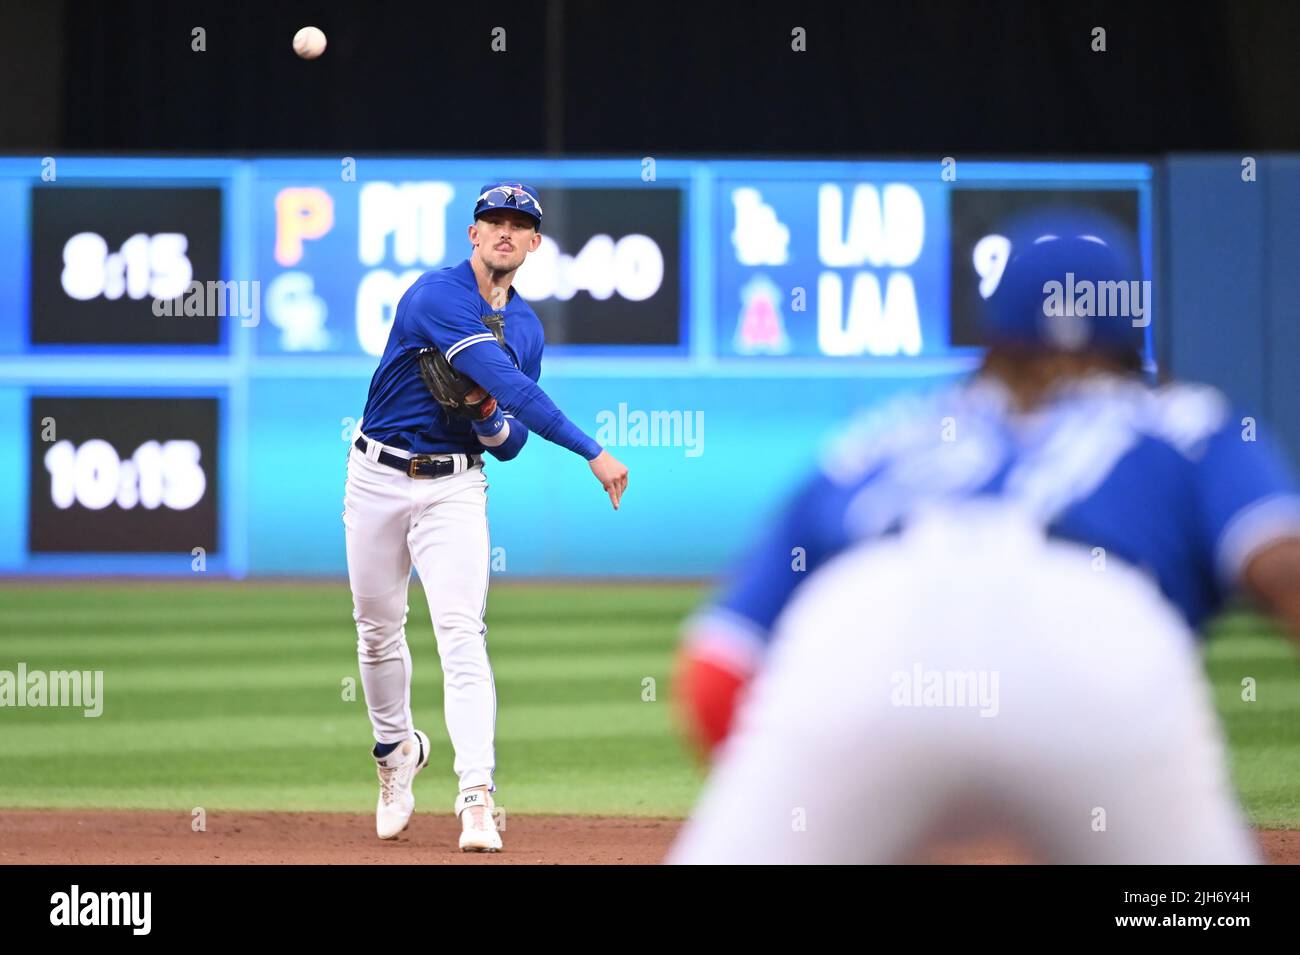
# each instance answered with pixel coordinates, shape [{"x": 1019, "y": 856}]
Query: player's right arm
[
  {"x": 727, "y": 640},
  {"x": 452, "y": 325}
]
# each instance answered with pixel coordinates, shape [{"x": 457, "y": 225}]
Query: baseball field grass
[{"x": 244, "y": 697}]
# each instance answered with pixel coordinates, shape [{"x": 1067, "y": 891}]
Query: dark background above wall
[{"x": 917, "y": 78}]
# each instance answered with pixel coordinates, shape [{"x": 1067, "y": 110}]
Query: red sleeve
[{"x": 707, "y": 695}]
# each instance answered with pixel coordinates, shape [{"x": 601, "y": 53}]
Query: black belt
[{"x": 422, "y": 465}]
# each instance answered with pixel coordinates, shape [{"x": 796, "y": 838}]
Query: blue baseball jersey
[
  {"x": 443, "y": 309},
  {"x": 1168, "y": 479}
]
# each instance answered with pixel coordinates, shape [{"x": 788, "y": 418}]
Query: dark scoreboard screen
[
  {"x": 101, "y": 257},
  {"x": 608, "y": 270},
  {"x": 123, "y": 475}
]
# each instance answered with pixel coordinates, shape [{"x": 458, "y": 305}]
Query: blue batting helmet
[
  {"x": 509, "y": 195},
  {"x": 1069, "y": 279}
]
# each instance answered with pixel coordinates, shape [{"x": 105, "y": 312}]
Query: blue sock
[{"x": 383, "y": 749}]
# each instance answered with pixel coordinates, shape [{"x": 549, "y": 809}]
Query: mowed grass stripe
[
  {"x": 168, "y": 605},
  {"x": 659, "y": 781},
  {"x": 218, "y": 674},
  {"x": 212, "y": 645},
  {"x": 324, "y": 705},
  {"x": 217, "y": 638},
  {"x": 340, "y": 726},
  {"x": 278, "y": 698}
]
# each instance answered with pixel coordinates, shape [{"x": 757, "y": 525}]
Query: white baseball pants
[
  {"x": 965, "y": 677},
  {"x": 440, "y": 525}
]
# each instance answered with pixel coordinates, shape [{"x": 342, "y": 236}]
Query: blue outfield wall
[
  {"x": 1224, "y": 255},
  {"x": 1231, "y": 275},
  {"x": 687, "y": 509},
  {"x": 1228, "y": 253}
]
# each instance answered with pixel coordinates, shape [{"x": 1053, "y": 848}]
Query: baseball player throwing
[
  {"x": 996, "y": 621},
  {"x": 458, "y": 376}
]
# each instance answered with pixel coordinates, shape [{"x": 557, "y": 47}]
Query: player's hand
[
  {"x": 611, "y": 474},
  {"x": 487, "y": 405}
]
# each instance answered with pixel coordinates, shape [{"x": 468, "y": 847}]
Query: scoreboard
[
  {"x": 159, "y": 318},
  {"x": 889, "y": 267},
  {"x": 336, "y": 256},
  {"x": 123, "y": 475}
]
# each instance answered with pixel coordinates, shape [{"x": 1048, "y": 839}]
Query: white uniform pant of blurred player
[
  {"x": 440, "y": 524},
  {"x": 1096, "y": 744}
]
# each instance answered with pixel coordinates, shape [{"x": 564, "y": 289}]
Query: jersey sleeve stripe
[
  {"x": 1253, "y": 527},
  {"x": 466, "y": 342}
]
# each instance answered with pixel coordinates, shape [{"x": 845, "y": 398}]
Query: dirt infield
[
  {"x": 239, "y": 838},
  {"x": 130, "y": 838}
]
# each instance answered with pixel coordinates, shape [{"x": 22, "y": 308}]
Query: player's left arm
[
  {"x": 1272, "y": 576},
  {"x": 1250, "y": 514}
]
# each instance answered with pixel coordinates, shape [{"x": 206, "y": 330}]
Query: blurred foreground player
[{"x": 996, "y": 626}]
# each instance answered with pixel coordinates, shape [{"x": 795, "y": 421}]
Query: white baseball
[{"x": 309, "y": 43}]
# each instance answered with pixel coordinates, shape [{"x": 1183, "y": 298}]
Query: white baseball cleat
[
  {"x": 396, "y": 774},
  {"x": 478, "y": 829}
]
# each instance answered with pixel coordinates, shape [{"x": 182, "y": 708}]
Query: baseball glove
[{"x": 458, "y": 394}]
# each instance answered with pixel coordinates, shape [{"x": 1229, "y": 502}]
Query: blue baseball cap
[
  {"x": 509, "y": 195},
  {"x": 1065, "y": 270}
]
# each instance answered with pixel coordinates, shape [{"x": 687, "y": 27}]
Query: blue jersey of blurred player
[{"x": 981, "y": 609}]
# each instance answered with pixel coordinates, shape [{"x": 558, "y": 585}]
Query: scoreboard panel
[
  {"x": 335, "y": 258},
  {"x": 101, "y": 256},
  {"x": 832, "y": 268},
  {"x": 123, "y": 475},
  {"x": 185, "y": 343}
]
